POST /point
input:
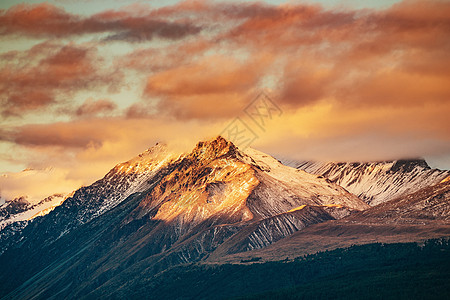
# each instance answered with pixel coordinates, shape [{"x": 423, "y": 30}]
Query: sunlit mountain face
[
  {"x": 86, "y": 85},
  {"x": 164, "y": 211},
  {"x": 146, "y": 145}
]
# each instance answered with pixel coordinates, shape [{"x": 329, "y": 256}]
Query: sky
[{"x": 85, "y": 85}]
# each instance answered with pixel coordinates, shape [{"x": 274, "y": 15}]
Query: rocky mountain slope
[
  {"x": 428, "y": 204},
  {"x": 416, "y": 217},
  {"x": 159, "y": 210},
  {"x": 91, "y": 201},
  {"x": 20, "y": 209},
  {"x": 378, "y": 182},
  {"x": 214, "y": 204},
  {"x": 16, "y": 214}
]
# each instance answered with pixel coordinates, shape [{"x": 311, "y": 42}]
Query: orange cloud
[
  {"x": 32, "y": 80},
  {"x": 352, "y": 84},
  {"x": 70, "y": 154},
  {"x": 26, "y": 100},
  {"x": 396, "y": 88},
  {"x": 36, "y": 184},
  {"x": 46, "y": 20},
  {"x": 214, "y": 87},
  {"x": 91, "y": 107},
  {"x": 211, "y": 75},
  {"x": 155, "y": 60},
  {"x": 329, "y": 131}
]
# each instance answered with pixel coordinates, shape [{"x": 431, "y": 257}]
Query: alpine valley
[{"x": 222, "y": 222}]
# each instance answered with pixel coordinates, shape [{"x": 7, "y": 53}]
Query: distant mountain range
[
  {"x": 20, "y": 209},
  {"x": 215, "y": 204},
  {"x": 378, "y": 182}
]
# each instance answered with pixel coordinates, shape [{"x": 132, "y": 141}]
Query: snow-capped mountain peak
[
  {"x": 161, "y": 209},
  {"x": 378, "y": 182}
]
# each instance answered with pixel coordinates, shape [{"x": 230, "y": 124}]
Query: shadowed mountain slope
[
  {"x": 159, "y": 210},
  {"x": 413, "y": 218}
]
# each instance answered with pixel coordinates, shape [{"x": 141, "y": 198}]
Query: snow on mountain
[
  {"x": 120, "y": 182},
  {"x": 428, "y": 204},
  {"x": 87, "y": 203},
  {"x": 218, "y": 181},
  {"x": 16, "y": 214},
  {"x": 123, "y": 180},
  {"x": 211, "y": 194},
  {"x": 131, "y": 177},
  {"x": 378, "y": 182},
  {"x": 20, "y": 209},
  {"x": 416, "y": 217},
  {"x": 288, "y": 183},
  {"x": 161, "y": 209},
  {"x": 215, "y": 184}
]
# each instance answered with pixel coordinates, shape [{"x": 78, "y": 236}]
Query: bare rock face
[
  {"x": 14, "y": 207},
  {"x": 219, "y": 186},
  {"x": 208, "y": 182},
  {"x": 416, "y": 217}
]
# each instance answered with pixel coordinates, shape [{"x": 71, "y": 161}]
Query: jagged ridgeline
[
  {"x": 378, "y": 182},
  {"x": 163, "y": 209}
]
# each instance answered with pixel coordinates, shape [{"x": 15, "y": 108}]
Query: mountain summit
[
  {"x": 219, "y": 184},
  {"x": 378, "y": 182},
  {"x": 162, "y": 209}
]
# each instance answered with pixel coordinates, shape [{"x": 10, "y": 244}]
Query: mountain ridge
[
  {"x": 214, "y": 199},
  {"x": 161, "y": 209},
  {"x": 378, "y": 182},
  {"x": 416, "y": 217}
]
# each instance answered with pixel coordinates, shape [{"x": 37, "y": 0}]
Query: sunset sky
[{"x": 85, "y": 85}]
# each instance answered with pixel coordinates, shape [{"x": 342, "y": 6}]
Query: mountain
[
  {"x": 404, "y": 270},
  {"x": 85, "y": 203},
  {"x": 416, "y": 217},
  {"x": 132, "y": 230},
  {"x": 20, "y": 209},
  {"x": 91, "y": 201},
  {"x": 161, "y": 209},
  {"x": 378, "y": 182},
  {"x": 16, "y": 214},
  {"x": 428, "y": 204}
]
